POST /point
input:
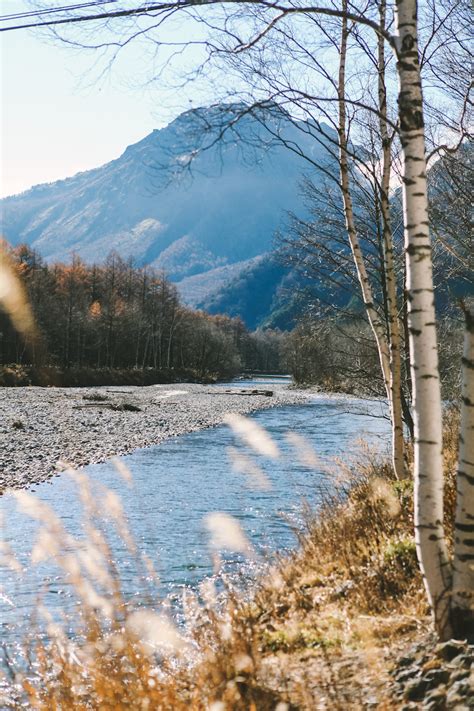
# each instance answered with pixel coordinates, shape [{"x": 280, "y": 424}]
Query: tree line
[{"x": 118, "y": 315}]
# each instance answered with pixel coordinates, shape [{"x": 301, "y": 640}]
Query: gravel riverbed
[{"x": 40, "y": 427}]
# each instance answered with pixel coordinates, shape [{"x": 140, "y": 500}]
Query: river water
[{"x": 176, "y": 484}]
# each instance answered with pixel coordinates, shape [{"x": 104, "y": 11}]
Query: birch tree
[
  {"x": 388, "y": 244},
  {"x": 428, "y": 466}
]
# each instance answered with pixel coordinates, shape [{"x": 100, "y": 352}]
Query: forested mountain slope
[{"x": 148, "y": 204}]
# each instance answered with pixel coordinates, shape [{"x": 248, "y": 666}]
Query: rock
[
  {"x": 450, "y": 650},
  {"x": 405, "y": 661},
  {"x": 435, "y": 700},
  {"x": 126, "y": 407},
  {"x": 97, "y": 433},
  {"x": 415, "y": 689},
  {"x": 435, "y": 677},
  {"x": 459, "y": 675},
  {"x": 460, "y": 696},
  {"x": 462, "y": 661},
  {"x": 342, "y": 590},
  {"x": 407, "y": 674}
]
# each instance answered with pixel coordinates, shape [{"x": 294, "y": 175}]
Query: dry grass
[{"x": 321, "y": 630}]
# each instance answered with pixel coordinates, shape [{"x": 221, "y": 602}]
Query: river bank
[{"x": 41, "y": 426}]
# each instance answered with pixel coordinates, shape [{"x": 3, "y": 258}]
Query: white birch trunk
[
  {"x": 429, "y": 531},
  {"x": 462, "y": 606}
]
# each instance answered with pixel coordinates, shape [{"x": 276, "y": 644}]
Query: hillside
[
  {"x": 202, "y": 223},
  {"x": 264, "y": 290}
]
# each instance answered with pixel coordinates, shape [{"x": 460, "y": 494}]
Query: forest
[{"x": 120, "y": 316}]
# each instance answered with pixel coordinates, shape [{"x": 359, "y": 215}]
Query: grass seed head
[
  {"x": 155, "y": 632},
  {"x": 227, "y": 534},
  {"x": 253, "y": 435},
  {"x": 244, "y": 464}
]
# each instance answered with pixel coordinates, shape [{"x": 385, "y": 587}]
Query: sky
[
  {"x": 60, "y": 116},
  {"x": 61, "y": 113}
]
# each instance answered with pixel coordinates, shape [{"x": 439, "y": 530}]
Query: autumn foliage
[{"x": 122, "y": 316}]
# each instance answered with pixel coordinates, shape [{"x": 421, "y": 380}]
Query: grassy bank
[{"x": 341, "y": 624}]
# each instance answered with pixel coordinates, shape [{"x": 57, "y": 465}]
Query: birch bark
[
  {"x": 462, "y": 605},
  {"x": 429, "y": 530}
]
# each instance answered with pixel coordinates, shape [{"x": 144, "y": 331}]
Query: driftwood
[
  {"x": 118, "y": 407},
  {"x": 244, "y": 391}
]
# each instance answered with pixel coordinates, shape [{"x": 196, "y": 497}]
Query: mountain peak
[{"x": 224, "y": 213}]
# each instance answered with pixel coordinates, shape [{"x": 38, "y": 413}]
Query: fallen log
[{"x": 244, "y": 391}]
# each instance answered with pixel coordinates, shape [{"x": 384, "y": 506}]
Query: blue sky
[{"x": 59, "y": 116}]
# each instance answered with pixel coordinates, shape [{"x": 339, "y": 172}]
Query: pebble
[
  {"x": 440, "y": 678},
  {"x": 451, "y": 649},
  {"x": 66, "y": 424}
]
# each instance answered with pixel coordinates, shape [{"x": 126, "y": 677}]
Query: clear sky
[{"x": 58, "y": 117}]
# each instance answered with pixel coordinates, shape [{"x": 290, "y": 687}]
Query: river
[{"x": 176, "y": 484}]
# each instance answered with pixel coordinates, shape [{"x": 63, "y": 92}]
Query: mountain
[
  {"x": 274, "y": 295},
  {"x": 204, "y": 221},
  {"x": 261, "y": 290}
]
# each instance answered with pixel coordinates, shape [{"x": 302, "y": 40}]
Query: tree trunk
[
  {"x": 372, "y": 314},
  {"x": 406, "y": 360},
  {"x": 390, "y": 278},
  {"x": 462, "y": 605},
  {"x": 407, "y": 416},
  {"x": 429, "y": 531}
]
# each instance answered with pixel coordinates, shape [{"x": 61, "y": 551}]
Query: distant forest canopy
[{"x": 121, "y": 316}]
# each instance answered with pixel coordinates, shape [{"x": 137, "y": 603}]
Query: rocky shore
[{"x": 40, "y": 427}]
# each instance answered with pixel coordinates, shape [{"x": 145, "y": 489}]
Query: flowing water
[{"x": 176, "y": 484}]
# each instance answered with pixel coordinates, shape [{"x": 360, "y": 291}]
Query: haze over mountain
[{"x": 202, "y": 225}]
